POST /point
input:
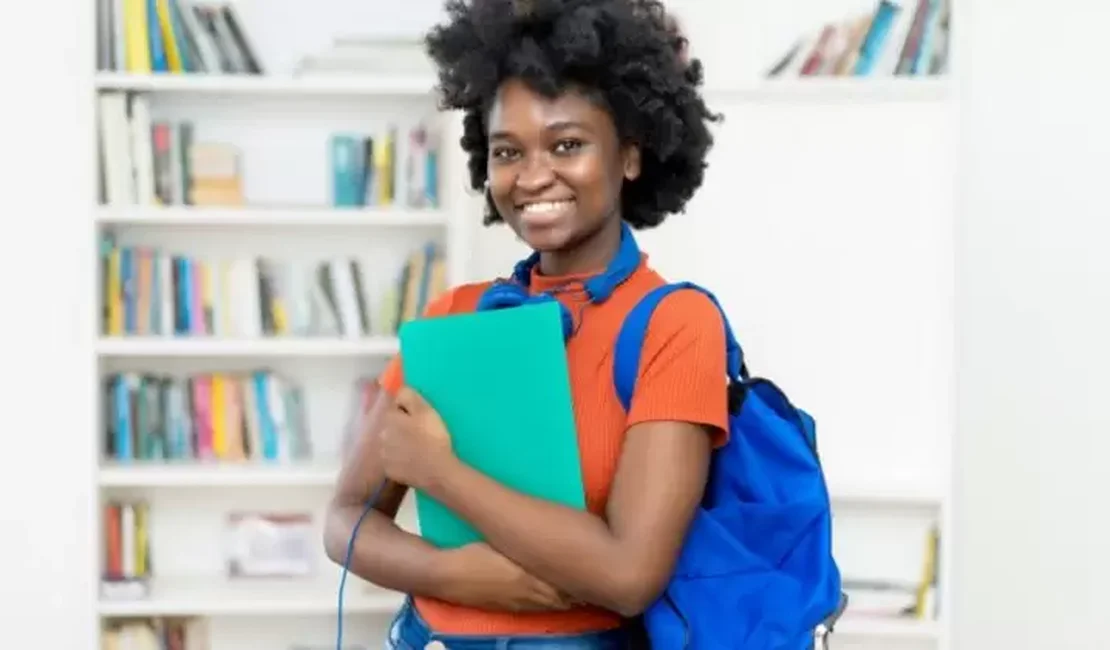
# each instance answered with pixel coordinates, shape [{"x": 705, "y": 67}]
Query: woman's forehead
[{"x": 519, "y": 107}]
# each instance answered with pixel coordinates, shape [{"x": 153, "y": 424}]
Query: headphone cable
[{"x": 347, "y": 561}]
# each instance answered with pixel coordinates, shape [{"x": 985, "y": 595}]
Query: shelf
[
  {"x": 930, "y": 88},
  {"x": 821, "y": 89},
  {"x": 906, "y": 496},
  {"x": 251, "y": 597},
  {"x": 268, "y": 216},
  {"x": 874, "y": 628},
  {"x": 140, "y": 346},
  {"x": 225, "y": 474},
  {"x": 221, "y": 84}
]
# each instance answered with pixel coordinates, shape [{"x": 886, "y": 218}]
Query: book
[{"x": 499, "y": 380}]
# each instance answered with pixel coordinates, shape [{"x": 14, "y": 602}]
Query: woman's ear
[{"x": 631, "y": 159}]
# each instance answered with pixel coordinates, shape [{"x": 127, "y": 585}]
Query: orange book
[{"x": 113, "y": 544}]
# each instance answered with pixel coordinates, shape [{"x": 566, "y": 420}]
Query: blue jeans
[{"x": 409, "y": 632}]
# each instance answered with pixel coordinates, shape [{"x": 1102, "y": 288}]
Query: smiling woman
[
  {"x": 583, "y": 122},
  {"x": 556, "y": 169}
]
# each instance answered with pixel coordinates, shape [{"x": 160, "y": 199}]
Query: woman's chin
[
  {"x": 544, "y": 237},
  {"x": 546, "y": 240}
]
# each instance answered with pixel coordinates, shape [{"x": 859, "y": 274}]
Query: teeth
[{"x": 546, "y": 206}]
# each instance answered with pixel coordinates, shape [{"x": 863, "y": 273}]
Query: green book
[{"x": 500, "y": 382}]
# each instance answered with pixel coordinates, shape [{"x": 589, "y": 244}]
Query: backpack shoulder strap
[{"x": 630, "y": 340}]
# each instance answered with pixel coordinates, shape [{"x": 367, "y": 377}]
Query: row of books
[
  {"x": 257, "y": 416},
  {"x": 173, "y": 36},
  {"x": 897, "y": 38},
  {"x": 151, "y": 292},
  {"x": 155, "y": 634},
  {"x": 381, "y": 169},
  {"x": 158, "y": 162}
]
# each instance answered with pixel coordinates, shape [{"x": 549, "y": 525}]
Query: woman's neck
[{"x": 593, "y": 253}]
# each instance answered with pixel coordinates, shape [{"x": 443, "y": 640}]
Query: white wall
[
  {"x": 46, "y": 329},
  {"x": 1033, "y": 315}
]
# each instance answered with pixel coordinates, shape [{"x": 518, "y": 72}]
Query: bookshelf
[{"x": 260, "y": 236}]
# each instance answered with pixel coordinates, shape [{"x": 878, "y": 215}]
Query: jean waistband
[{"x": 409, "y": 631}]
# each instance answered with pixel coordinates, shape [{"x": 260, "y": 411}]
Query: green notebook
[{"x": 499, "y": 380}]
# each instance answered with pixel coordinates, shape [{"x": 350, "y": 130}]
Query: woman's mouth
[{"x": 545, "y": 213}]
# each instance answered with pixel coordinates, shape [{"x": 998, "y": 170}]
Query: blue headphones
[{"x": 514, "y": 292}]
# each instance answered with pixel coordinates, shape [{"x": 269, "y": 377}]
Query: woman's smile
[{"x": 545, "y": 214}]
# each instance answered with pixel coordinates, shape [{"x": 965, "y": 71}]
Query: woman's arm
[
  {"x": 382, "y": 553},
  {"x": 622, "y": 561},
  {"x": 621, "y": 564},
  {"x": 475, "y": 575}
]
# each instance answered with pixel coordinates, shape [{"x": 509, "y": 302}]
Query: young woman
[{"x": 582, "y": 120}]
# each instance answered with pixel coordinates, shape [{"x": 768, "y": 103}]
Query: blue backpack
[{"x": 756, "y": 571}]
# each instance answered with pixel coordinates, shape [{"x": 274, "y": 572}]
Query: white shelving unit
[
  {"x": 280, "y": 123},
  {"x": 213, "y": 598},
  {"x": 384, "y": 86},
  {"x": 836, "y": 89},
  {"x": 260, "y": 348},
  {"x": 213, "y": 475},
  {"x": 277, "y": 216}
]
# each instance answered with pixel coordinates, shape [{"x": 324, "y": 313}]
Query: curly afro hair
[{"x": 627, "y": 55}]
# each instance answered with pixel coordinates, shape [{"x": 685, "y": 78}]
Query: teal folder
[{"x": 500, "y": 382}]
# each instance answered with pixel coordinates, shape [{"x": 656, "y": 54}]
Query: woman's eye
[
  {"x": 567, "y": 146},
  {"x": 503, "y": 153}
]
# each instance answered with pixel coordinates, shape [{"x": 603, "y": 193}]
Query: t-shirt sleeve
[
  {"x": 392, "y": 378},
  {"x": 683, "y": 373}
]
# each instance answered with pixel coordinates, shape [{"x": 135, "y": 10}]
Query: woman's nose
[{"x": 535, "y": 175}]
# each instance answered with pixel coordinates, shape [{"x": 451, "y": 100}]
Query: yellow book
[
  {"x": 136, "y": 37},
  {"x": 218, "y": 416},
  {"x": 141, "y": 542},
  {"x": 114, "y": 295},
  {"x": 173, "y": 48},
  {"x": 383, "y": 167},
  {"x": 928, "y": 572}
]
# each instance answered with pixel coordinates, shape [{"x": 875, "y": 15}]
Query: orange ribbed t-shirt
[{"x": 682, "y": 377}]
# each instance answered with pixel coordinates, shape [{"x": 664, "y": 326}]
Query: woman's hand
[
  {"x": 480, "y": 577},
  {"x": 415, "y": 446}
]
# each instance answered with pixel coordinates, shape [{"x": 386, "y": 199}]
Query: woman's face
[{"x": 555, "y": 166}]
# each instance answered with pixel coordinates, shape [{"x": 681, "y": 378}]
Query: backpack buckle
[
  {"x": 821, "y": 638},
  {"x": 737, "y": 390}
]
